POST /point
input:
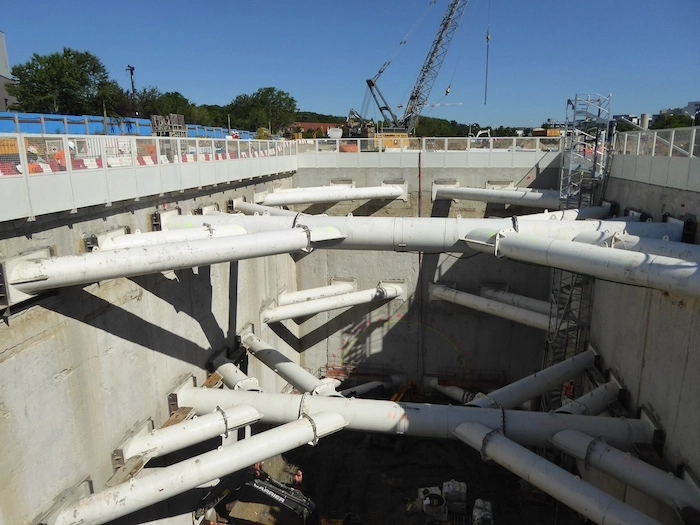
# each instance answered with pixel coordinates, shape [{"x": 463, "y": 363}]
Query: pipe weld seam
[
  {"x": 314, "y": 441},
  {"x": 589, "y": 447},
  {"x": 484, "y": 443},
  {"x": 223, "y": 414},
  {"x": 503, "y": 421}
]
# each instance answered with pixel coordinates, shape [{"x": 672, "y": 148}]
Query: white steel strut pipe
[
  {"x": 430, "y": 234},
  {"x": 383, "y": 292},
  {"x": 164, "y": 237},
  {"x": 533, "y": 385},
  {"x": 364, "y": 388},
  {"x": 628, "y": 469},
  {"x": 315, "y": 293},
  {"x": 234, "y": 378},
  {"x": 589, "y": 501},
  {"x": 417, "y": 419},
  {"x": 594, "y": 402},
  {"x": 454, "y": 392},
  {"x": 250, "y": 208},
  {"x": 141, "y": 492},
  {"x": 635, "y": 243},
  {"x": 506, "y": 311},
  {"x": 286, "y": 368},
  {"x": 592, "y": 212},
  {"x": 521, "y": 301},
  {"x": 31, "y": 276},
  {"x": 190, "y": 432},
  {"x": 330, "y": 194},
  {"x": 641, "y": 269},
  {"x": 548, "y": 199}
]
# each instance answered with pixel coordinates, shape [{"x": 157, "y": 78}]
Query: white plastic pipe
[
  {"x": 139, "y": 493},
  {"x": 532, "y": 198},
  {"x": 489, "y": 306},
  {"x": 330, "y": 194},
  {"x": 417, "y": 419},
  {"x": 163, "y": 237},
  {"x": 594, "y": 402},
  {"x": 589, "y": 501},
  {"x": 529, "y": 387},
  {"x": 315, "y": 293},
  {"x": 176, "y": 437},
  {"x": 634, "y": 472},
  {"x": 429, "y": 234},
  {"x": 43, "y": 274},
  {"x": 370, "y": 295},
  {"x": 641, "y": 269},
  {"x": 521, "y": 301},
  {"x": 287, "y": 369}
]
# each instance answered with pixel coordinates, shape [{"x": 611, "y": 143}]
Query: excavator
[{"x": 395, "y": 130}]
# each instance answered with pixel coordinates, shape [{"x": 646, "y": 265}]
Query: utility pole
[{"x": 130, "y": 69}]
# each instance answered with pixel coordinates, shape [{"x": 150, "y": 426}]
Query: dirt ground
[{"x": 378, "y": 477}]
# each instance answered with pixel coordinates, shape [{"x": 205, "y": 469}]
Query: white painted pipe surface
[
  {"x": 370, "y": 295},
  {"x": 164, "y": 237},
  {"x": 529, "y": 387},
  {"x": 250, "y": 208},
  {"x": 521, "y": 301},
  {"x": 532, "y": 198},
  {"x": 635, "y": 243},
  {"x": 234, "y": 378},
  {"x": 454, "y": 392},
  {"x": 176, "y": 437},
  {"x": 589, "y": 501},
  {"x": 139, "y": 493},
  {"x": 427, "y": 234},
  {"x": 634, "y": 472},
  {"x": 594, "y": 402},
  {"x": 54, "y": 272},
  {"x": 641, "y": 269},
  {"x": 592, "y": 212},
  {"x": 287, "y": 369},
  {"x": 330, "y": 194},
  {"x": 417, "y": 419},
  {"x": 489, "y": 306},
  {"x": 315, "y": 293},
  {"x": 364, "y": 388}
]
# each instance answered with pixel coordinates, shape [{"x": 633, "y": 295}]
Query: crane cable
[
  {"x": 405, "y": 39},
  {"x": 459, "y": 58},
  {"x": 488, "y": 42}
]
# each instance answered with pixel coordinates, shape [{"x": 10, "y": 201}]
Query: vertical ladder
[{"x": 584, "y": 164}]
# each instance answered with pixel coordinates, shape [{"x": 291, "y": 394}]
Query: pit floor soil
[{"x": 378, "y": 477}]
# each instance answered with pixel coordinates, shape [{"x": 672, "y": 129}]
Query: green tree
[
  {"x": 147, "y": 101},
  {"x": 267, "y": 107},
  {"x": 666, "y": 121},
  {"x": 71, "y": 82}
]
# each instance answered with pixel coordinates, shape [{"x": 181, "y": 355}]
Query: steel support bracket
[
  {"x": 68, "y": 497},
  {"x": 13, "y": 295}
]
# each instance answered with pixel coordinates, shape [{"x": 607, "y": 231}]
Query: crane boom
[
  {"x": 431, "y": 67},
  {"x": 424, "y": 83}
]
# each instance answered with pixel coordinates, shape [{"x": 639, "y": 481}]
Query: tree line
[{"x": 77, "y": 83}]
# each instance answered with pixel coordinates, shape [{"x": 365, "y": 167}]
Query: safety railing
[
  {"x": 42, "y": 174},
  {"x": 677, "y": 142},
  {"x": 664, "y": 157}
]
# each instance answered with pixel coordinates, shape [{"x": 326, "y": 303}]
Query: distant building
[
  {"x": 318, "y": 127},
  {"x": 5, "y": 78}
]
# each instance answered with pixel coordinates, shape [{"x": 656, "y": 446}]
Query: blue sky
[{"x": 542, "y": 52}]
